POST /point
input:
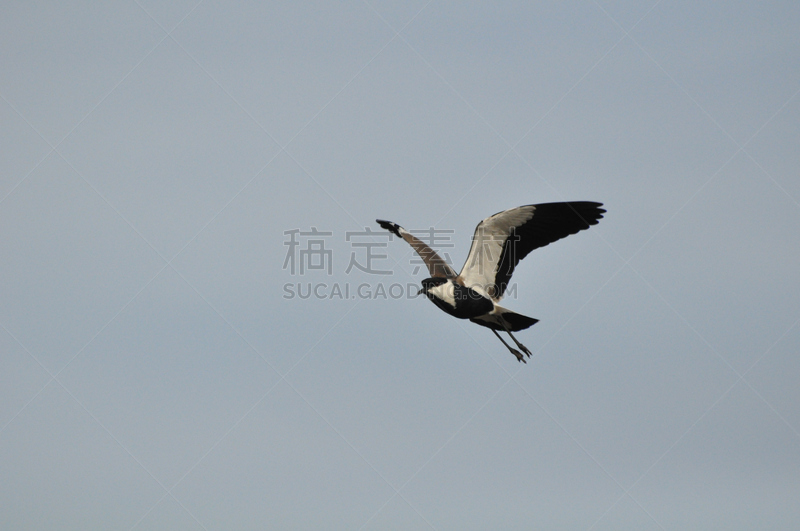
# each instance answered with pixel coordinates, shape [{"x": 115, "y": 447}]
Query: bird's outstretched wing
[
  {"x": 436, "y": 265},
  {"x": 502, "y": 240}
]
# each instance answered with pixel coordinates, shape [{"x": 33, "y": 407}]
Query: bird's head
[{"x": 430, "y": 283}]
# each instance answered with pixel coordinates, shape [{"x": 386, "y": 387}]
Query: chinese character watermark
[
  {"x": 433, "y": 238},
  {"x": 315, "y": 248},
  {"x": 368, "y": 247},
  {"x": 308, "y": 251}
]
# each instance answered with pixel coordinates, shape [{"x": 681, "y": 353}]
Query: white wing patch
[{"x": 490, "y": 235}]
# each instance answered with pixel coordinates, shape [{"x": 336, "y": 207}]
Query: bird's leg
[
  {"x": 514, "y": 351},
  {"x": 520, "y": 345}
]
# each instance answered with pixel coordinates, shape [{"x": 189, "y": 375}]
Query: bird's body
[
  {"x": 459, "y": 301},
  {"x": 499, "y": 243}
]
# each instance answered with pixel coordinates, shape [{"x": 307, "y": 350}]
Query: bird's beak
[{"x": 421, "y": 291}]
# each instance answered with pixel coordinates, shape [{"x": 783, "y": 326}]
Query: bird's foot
[
  {"x": 519, "y": 355},
  {"x": 525, "y": 349}
]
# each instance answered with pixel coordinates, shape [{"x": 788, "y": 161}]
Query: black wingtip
[
  {"x": 598, "y": 212},
  {"x": 600, "y": 209},
  {"x": 394, "y": 228},
  {"x": 590, "y": 212}
]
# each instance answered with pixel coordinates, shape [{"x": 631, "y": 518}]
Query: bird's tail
[
  {"x": 514, "y": 321},
  {"x": 518, "y": 321}
]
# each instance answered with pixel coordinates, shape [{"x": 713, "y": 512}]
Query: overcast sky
[{"x": 163, "y": 365}]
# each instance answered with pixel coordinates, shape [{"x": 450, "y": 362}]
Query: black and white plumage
[{"x": 499, "y": 243}]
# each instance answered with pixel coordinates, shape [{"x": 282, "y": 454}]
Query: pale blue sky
[{"x": 153, "y": 374}]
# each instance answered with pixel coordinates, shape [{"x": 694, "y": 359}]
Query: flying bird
[{"x": 499, "y": 243}]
